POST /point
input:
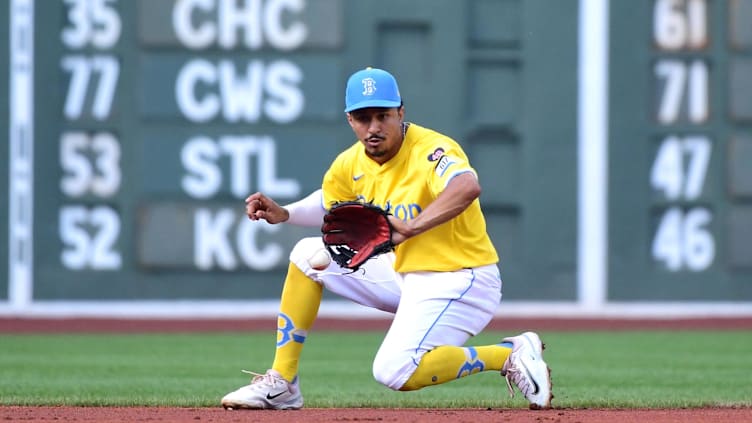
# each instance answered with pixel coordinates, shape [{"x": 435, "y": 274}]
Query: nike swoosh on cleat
[
  {"x": 269, "y": 395},
  {"x": 530, "y": 376}
]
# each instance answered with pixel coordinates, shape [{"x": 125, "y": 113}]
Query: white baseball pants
[{"x": 430, "y": 309}]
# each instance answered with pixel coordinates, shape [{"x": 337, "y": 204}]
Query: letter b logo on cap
[{"x": 371, "y": 88}]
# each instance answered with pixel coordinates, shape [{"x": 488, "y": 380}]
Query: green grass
[{"x": 593, "y": 369}]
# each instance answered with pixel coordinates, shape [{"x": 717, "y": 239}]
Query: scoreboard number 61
[{"x": 682, "y": 239}]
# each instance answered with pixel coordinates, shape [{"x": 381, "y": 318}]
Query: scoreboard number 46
[{"x": 682, "y": 239}]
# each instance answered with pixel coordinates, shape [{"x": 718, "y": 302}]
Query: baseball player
[{"x": 442, "y": 281}]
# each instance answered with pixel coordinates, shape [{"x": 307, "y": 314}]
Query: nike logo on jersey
[
  {"x": 269, "y": 395},
  {"x": 356, "y": 177}
]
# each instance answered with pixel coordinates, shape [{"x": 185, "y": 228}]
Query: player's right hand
[{"x": 258, "y": 206}]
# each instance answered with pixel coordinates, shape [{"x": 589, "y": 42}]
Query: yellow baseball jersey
[{"x": 407, "y": 184}]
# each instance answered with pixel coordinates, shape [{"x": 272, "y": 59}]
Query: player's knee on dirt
[{"x": 394, "y": 369}]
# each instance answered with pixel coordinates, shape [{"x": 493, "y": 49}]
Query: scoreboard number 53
[{"x": 91, "y": 167}]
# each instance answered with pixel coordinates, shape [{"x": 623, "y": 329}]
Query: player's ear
[{"x": 350, "y": 119}]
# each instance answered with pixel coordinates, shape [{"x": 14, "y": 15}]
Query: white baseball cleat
[
  {"x": 266, "y": 391},
  {"x": 527, "y": 370}
]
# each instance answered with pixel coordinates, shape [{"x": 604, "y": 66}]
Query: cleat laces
[
  {"x": 515, "y": 375},
  {"x": 265, "y": 378}
]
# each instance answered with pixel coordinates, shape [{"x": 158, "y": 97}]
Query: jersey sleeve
[{"x": 449, "y": 161}]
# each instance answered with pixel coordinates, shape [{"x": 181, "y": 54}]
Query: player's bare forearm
[
  {"x": 461, "y": 191},
  {"x": 258, "y": 206}
]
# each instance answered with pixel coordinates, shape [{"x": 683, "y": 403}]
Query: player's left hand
[{"x": 354, "y": 232}]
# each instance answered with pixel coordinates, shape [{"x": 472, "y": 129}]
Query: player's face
[{"x": 380, "y": 131}]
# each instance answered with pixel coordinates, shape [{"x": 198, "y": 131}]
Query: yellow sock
[
  {"x": 447, "y": 363},
  {"x": 299, "y": 305}
]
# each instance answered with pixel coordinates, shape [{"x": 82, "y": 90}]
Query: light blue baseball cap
[{"x": 371, "y": 87}]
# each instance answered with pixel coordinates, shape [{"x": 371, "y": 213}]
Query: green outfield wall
[{"x": 136, "y": 128}]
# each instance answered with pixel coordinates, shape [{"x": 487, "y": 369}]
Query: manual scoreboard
[
  {"x": 680, "y": 150},
  {"x": 136, "y": 129}
]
